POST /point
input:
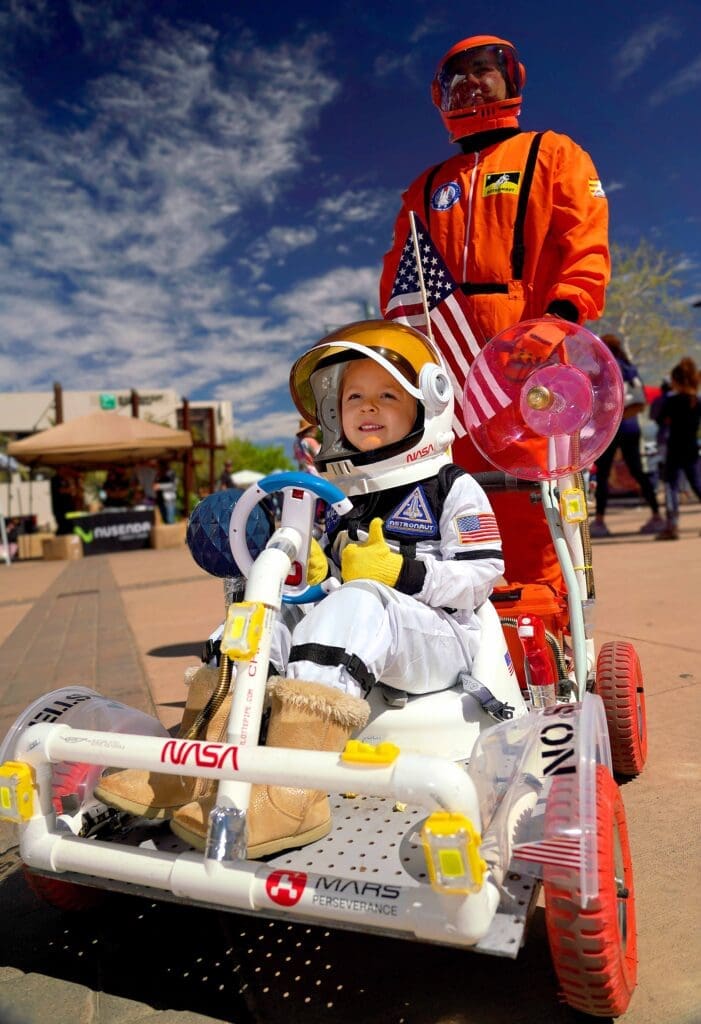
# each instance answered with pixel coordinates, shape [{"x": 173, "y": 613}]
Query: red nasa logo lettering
[{"x": 286, "y": 887}]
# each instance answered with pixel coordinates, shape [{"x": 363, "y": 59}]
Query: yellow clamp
[
  {"x": 357, "y": 752},
  {"x": 16, "y": 791},
  {"x": 451, "y": 846},
  {"x": 243, "y": 630}
]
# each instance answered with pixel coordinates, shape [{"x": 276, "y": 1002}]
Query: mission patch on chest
[{"x": 502, "y": 181}]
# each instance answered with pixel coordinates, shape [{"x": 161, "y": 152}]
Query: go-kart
[{"x": 450, "y": 810}]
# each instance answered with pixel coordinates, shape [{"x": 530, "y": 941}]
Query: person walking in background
[
  {"x": 627, "y": 438},
  {"x": 679, "y": 417},
  {"x": 226, "y": 478},
  {"x": 166, "y": 488},
  {"x": 521, "y": 222},
  {"x": 62, "y": 498},
  {"x": 306, "y": 447}
]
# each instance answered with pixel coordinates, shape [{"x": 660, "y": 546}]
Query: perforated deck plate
[
  {"x": 369, "y": 841},
  {"x": 373, "y": 841}
]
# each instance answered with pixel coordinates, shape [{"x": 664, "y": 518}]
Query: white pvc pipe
[
  {"x": 431, "y": 782},
  {"x": 245, "y": 885},
  {"x": 579, "y": 646},
  {"x": 412, "y": 778}
]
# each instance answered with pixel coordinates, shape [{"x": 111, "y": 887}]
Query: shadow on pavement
[
  {"x": 243, "y": 969},
  {"x": 193, "y": 648}
]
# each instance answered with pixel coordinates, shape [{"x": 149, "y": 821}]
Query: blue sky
[{"x": 193, "y": 192}]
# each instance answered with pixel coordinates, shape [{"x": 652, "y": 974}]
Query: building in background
[{"x": 23, "y": 413}]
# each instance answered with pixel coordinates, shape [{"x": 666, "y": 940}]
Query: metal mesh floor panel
[{"x": 370, "y": 837}]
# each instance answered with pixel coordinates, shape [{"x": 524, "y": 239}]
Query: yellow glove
[
  {"x": 317, "y": 566},
  {"x": 371, "y": 560}
]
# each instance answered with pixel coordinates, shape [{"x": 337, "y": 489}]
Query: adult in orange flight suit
[{"x": 521, "y": 221}]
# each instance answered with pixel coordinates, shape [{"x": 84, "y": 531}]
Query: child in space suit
[{"x": 417, "y": 555}]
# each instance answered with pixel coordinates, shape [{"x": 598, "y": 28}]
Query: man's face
[
  {"x": 375, "y": 408},
  {"x": 475, "y": 79}
]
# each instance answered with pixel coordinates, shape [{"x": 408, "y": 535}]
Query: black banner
[{"x": 114, "y": 530}]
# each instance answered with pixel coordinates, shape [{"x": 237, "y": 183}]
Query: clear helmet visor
[
  {"x": 477, "y": 76},
  {"x": 316, "y": 379},
  {"x": 391, "y": 345},
  {"x": 326, "y": 383}
]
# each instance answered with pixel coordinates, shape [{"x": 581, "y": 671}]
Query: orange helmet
[{"x": 454, "y": 96}]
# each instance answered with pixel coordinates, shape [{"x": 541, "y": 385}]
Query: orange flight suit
[{"x": 551, "y": 257}]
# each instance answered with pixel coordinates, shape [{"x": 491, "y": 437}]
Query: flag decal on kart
[{"x": 563, "y": 852}]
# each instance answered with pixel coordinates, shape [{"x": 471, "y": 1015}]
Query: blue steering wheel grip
[{"x": 322, "y": 489}]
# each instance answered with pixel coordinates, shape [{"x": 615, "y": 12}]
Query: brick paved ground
[{"x": 127, "y": 625}]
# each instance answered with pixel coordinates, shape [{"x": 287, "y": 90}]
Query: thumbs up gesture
[{"x": 373, "y": 559}]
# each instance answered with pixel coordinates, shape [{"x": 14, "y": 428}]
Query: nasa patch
[{"x": 445, "y": 196}]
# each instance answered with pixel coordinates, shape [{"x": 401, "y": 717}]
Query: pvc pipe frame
[
  {"x": 574, "y": 600},
  {"x": 431, "y": 782}
]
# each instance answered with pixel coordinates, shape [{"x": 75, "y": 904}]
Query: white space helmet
[{"x": 415, "y": 363}]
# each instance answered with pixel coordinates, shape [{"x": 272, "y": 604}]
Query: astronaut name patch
[
  {"x": 503, "y": 181},
  {"x": 446, "y": 196},
  {"x": 413, "y": 516},
  {"x": 476, "y": 529},
  {"x": 596, "y": 188}
]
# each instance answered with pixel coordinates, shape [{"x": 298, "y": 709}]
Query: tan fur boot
[
  {"x": 304, "y": 716},
  {"x": 152, "y": 794}
]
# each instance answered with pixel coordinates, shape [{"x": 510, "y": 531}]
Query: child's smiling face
[{"x": 375, "y": 409}]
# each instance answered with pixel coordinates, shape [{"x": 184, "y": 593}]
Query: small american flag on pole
[
  {"x": 451, "y": 326},
  {"x": 477, "y": 529}
]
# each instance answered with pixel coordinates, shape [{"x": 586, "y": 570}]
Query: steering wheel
[{"x": 297, "y": 513}]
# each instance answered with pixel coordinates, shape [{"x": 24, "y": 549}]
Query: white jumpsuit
[{"x": 367, "y": 632}]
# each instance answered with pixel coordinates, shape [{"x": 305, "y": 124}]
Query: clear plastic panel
[
  {"x": 81, "y": 708},
  {"x": 543, "y": 399},
  {"x": 514, "y": 765}
]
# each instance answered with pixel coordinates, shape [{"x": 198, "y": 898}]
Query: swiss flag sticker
[{"x": 286, "y": 887}]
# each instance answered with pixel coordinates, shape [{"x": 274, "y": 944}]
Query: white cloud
[
  {"x": 355, "y": 206},
  {"x": 635, "y": 51},
  {"x": 276, "y": 246},
  {"x": 613, "y": 186},
  {"x": 117, "y": 215},
  {"x": 686, "y": 78}
]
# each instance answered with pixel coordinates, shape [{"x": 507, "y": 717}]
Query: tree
[
  {"x": 644, "y": 308},
  {"x": 246, "y": 455}
]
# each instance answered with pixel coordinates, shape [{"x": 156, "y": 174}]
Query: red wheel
[
  {"x": 64, "y": 895},
  {"x": 619, "y": 683},
  {"x": 594, "y": 951},
  {"x": 70, "y": 779}
]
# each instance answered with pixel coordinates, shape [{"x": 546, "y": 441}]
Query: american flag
[
  {"x": 454, "y": 330},
  {"x": 563, "y": 852},
  {"x": 476, "y": 529}
]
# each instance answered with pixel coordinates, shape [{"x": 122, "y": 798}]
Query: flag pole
[{"x": 419, "y": 269}]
